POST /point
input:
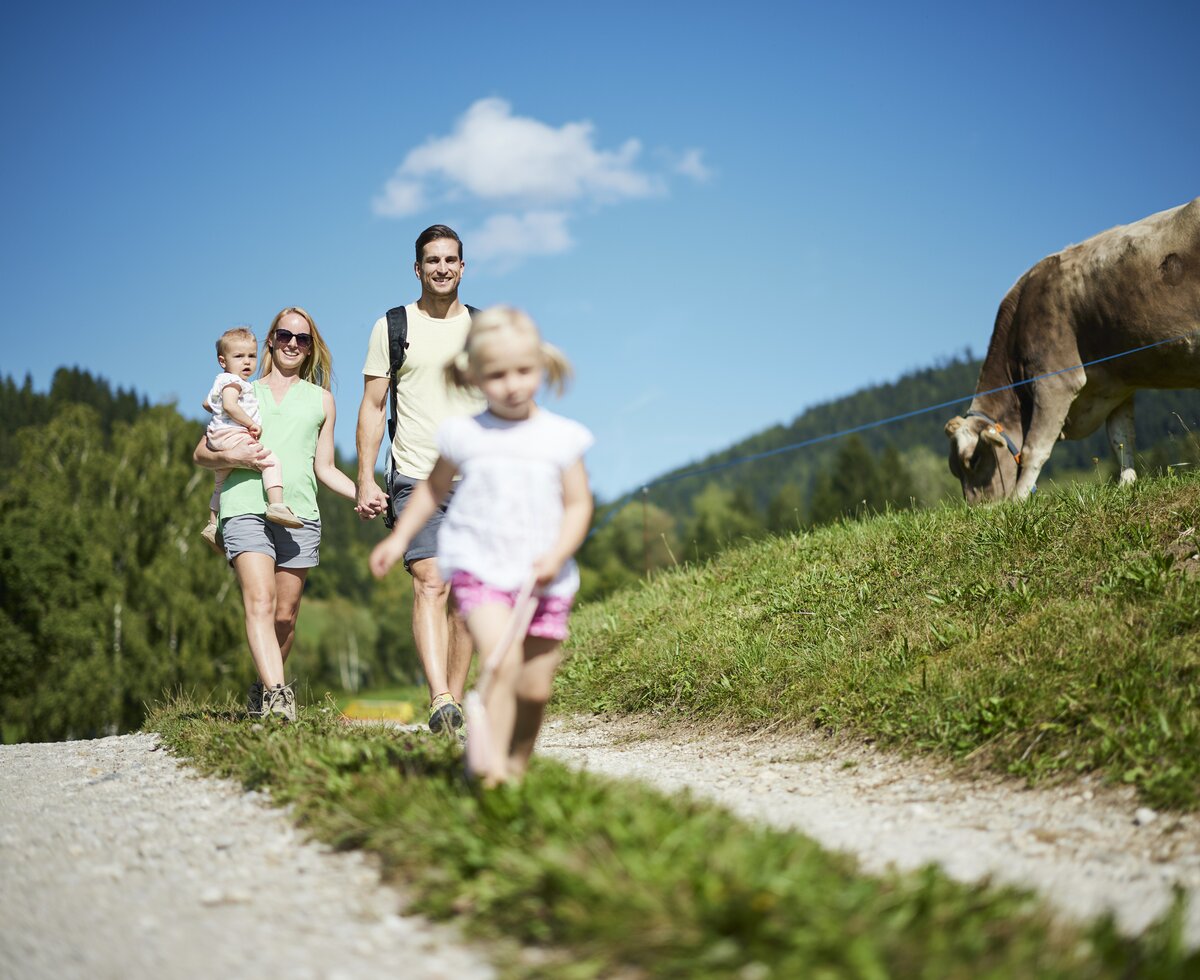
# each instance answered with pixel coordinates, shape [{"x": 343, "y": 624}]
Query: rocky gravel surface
[
  {"x": 118, "y": 862},
  {"x": 1086, "y": 848}
]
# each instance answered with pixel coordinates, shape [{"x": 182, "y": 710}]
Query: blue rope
[{"x": 620, "y": 503}]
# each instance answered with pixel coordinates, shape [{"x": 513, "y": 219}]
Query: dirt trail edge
[
  {"x": 118, "y": 861},
  {"x": 1085, "y": 848}
]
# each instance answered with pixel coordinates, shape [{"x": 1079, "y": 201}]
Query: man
[{"x": 437, "y": 329}]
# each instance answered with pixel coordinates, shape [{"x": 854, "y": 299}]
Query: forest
[{"x": 109, "y": 597}]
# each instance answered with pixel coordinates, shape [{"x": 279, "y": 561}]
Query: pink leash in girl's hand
[{"x": 481, "y": 748}]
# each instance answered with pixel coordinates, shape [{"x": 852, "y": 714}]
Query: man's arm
[{"x": 371, "y": 501}]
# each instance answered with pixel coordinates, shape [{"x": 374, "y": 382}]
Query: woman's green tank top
[{"x": 289, "y": 430}]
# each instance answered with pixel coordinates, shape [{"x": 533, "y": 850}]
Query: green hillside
[
  {"x": 698, "y": 510},
  {"x": 1163, "y": 420},
  {"x": 1044, "y": 638}
]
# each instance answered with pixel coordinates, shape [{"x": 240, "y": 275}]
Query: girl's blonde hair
[
  {"x": 318, "y": 363},
  {"x": 486, "y": 327}
]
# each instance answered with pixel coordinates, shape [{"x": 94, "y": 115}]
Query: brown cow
[{"x": 1128, "y": 287}]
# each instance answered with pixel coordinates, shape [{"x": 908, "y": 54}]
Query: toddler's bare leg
[
  {"x": 487, "y": 625},
  {"x": 272, "y": 477},
  {"x": 536, "y": 680},
  {"x": 214, "y": 502}
]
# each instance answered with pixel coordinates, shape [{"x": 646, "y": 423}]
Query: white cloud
[
  {"x": 692, "y": 165},
  {"x": 495, "y": 156},
  {"x": 536, "y": 172},
  {"x": 399, "y": 198},
  {"x": 515, "y": 237}
]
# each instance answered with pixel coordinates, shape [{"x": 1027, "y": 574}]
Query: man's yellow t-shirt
[{"x": 423, "y": 399}]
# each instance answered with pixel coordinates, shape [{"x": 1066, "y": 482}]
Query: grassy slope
[{"x": 1053, "y": 636}]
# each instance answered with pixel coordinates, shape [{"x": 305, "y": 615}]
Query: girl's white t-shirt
[
  {"x": 507, "y": 509},
  {"x": 246, "y": 398}
]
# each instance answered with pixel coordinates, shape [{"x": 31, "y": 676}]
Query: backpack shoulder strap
[{"x": 397, "y": 325}]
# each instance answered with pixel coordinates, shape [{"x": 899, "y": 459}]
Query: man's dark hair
[{"x": 432, "y": 234}]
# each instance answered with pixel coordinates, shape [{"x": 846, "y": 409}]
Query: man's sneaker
[
  {"x": 445, "y": 714},
  {"x": 282, "y": 514},
  {"x": 212, "y": 534},
  {"x": 254, "y": 700},
  {"x": 279, "y": 702}
]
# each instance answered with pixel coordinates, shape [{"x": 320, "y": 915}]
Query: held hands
[{"x": 371, "y": 501}]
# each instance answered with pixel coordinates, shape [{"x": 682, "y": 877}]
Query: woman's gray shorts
[
  {"x": 424, "y": 543},
  {"x": 290, "y": 547}
]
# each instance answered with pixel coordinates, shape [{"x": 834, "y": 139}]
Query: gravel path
[
  {"x": 116, "y": 861},
  {"x": 1086, "y": 848}
]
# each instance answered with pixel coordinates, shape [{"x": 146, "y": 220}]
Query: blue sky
[{"x": 723, "y": 213}]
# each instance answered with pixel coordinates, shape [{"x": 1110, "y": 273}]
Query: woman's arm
[
  {"x": 424, "y": 501},
  {"x": 577, "y": 515},
  {"x": 250, "y": 456},
  {"x": 323, "y": 464}
]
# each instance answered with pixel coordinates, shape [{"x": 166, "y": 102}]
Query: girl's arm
[
  {"x": 323, "y": 464},
  {"x": 420, "y": 507},
  {"x": 229, "y": 401},
  {"x": 577, "y": 515}
]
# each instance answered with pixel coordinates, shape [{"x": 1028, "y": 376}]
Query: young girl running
[{"x": 521, "y": 510}]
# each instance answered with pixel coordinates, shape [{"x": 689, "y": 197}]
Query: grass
[
  {"x": 605, "y": 879},
  {"x": 1042, "y": 639}
]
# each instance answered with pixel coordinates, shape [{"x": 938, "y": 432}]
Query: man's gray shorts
[
  {"x": 289, "y": 547},
  {"x": 424, "y": 543}
]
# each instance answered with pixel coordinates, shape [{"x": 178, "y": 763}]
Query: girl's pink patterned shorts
[{"x": 549, "y": 619}]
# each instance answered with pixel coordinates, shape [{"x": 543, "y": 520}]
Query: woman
[{"x": 271, "y": 561}]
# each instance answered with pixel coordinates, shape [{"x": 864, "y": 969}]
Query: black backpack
[{"x": 397, "y": 327}]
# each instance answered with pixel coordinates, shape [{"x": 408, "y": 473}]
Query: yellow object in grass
[{"x": 401, "y": 711}]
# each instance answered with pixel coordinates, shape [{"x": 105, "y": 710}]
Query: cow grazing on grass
[{"x": 1126, "y": 288}]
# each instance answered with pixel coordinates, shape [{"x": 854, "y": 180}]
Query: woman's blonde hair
[
  {"x": 488, "y": 326},
  {"x": 318, "y": 363}
]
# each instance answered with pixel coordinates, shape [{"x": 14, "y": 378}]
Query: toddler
[{"x": 235, "y": 422}]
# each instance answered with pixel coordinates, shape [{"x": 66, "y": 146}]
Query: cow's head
[{"x": 982, "y": 459}]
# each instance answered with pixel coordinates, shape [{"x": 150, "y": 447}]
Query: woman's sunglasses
[{"x": 285, "y": 337}]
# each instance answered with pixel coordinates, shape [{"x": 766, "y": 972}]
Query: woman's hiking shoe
[
  {"x": 254, "y": 700},
  {"x": 279, "y": 702},
  {"x": 212, "y": 534},
  {"x": 282, "y": 514},
  {"x": 445, "y": 714}
]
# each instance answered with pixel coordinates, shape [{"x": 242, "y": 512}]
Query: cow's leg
[
  {"x": 1050, "y": 408},
  {"x": 1121, "y": 438}
]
